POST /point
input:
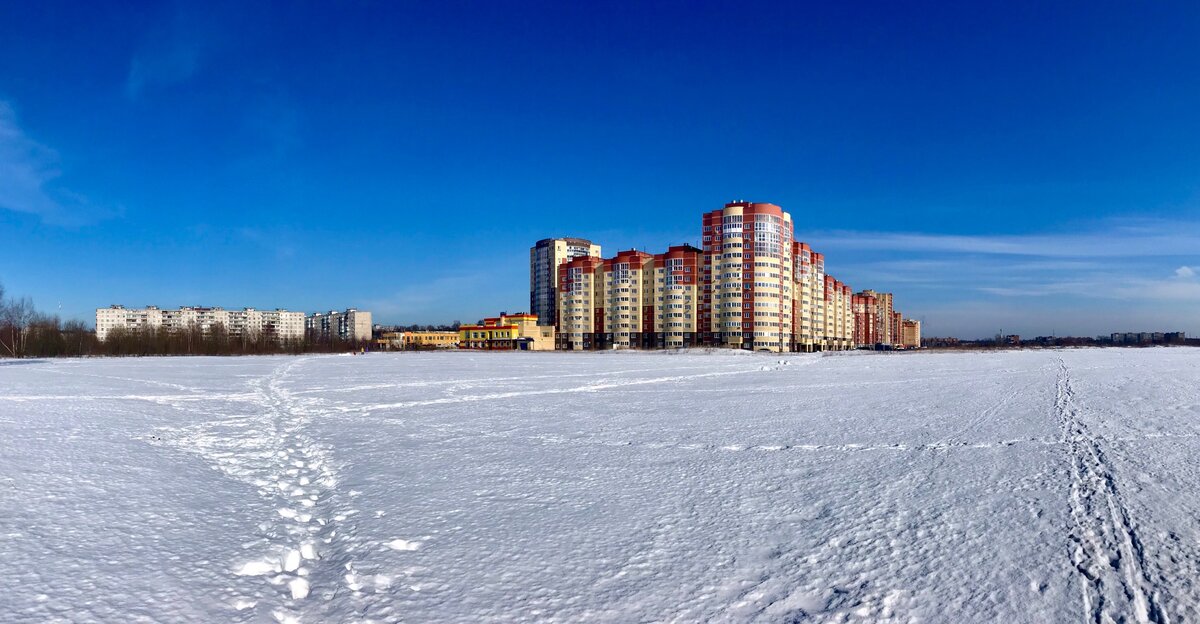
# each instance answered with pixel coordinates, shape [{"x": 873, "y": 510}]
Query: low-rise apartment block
[{"x": 278, "y": 324}]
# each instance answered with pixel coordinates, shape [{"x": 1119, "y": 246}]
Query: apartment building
[
  {"x": 751, "y": 286},
  {"x": 839, "y": 316},
  {"x": 634, "y": 300},
  {"x": 351, "y": 325},
  {"x": 866, "y": 324},
  {"x": 876, "y": 323},
  {"x": 544, "y": 259},
  {"x": 677, "y": 297},
  {"x": 628, "y": 296},
  {"x": 747, "y": 277},
  {"x": 911, "y": 334},
  {"x": 247, "y": 322},
  {"x": 581, "y": 304}
]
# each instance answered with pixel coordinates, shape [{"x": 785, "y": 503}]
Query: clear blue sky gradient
[{"x": 1031, "y": 167}]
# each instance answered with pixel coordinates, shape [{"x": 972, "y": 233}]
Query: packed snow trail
[
  {"x": 1107, "y": 551},
  {"x": 603, "y": 487}
]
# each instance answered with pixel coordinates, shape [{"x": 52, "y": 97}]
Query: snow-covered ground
[{"x": 1037, "y": 486}]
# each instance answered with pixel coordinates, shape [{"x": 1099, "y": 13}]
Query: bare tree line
[{"x": 25, "y": 332}]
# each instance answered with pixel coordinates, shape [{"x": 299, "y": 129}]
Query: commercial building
[
  {"x": 507, "y": 332},
  {"x": 278, "y": 324},
  {"x": 423, "y": 340},
  {"x": 351, "y": 325},
  {"x": 544, "y": 259}
]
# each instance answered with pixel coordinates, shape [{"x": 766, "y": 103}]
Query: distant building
[
  {"x": 507, "y": 332},
  {"x": 248, "y": 322},
  {"x": 911, "y": 334},
  {"x": 351, "y": 325},
  {"x": 544, "y": 259},
  {"x": 421, "y": 340},
  {"x": 751, "y": 286},
  {"x": 866, "y": 319},
  {"x": 876, "y": 322},
  {"x": 1147, "y": 338}
]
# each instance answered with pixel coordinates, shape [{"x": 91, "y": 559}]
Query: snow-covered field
[{"x": 1037, "y": 486}]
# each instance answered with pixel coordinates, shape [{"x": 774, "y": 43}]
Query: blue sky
[{"x": 1026, "y": 167}]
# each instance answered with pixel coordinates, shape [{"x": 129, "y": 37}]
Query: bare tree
[{"x": 16, "y": 316}]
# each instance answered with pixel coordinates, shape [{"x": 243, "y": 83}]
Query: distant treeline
[{"x": 25, "y": 332}]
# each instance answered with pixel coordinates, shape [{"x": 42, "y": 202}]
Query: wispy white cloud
[
  {"x": 29, "y": 179},
  {"x": 1143, "y": 238}
]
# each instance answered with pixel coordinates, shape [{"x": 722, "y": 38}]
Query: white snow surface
[{"x": 1022, "y": 486}]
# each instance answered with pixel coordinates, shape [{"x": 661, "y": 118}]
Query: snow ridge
[{"x": 1115, "y": 577}]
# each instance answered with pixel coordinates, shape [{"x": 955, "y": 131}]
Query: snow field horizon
[{"x": 1053, "y": 485}]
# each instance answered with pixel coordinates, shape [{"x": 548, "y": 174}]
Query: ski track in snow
[{"x": 1118, "y": 583}]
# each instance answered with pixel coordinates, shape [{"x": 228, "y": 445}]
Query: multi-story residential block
[
  {"x": 629, "y": 300},
  {"x": 880, "y": 322},
  {"x": 544, "y": 259},
  {"x": 912, "y": 334},
  {"x": 887, "y": 334},
  {"x": 633, "y": 300},
  {"x": 866, "y": 320},
  {"x": 747, "y": 277},
  {"x": 803, "y": 302},
  {"x": 753, "y": 287},
  {"x": 248, "y": 322},
  {"x": 507, "y": 332},
  {"x": 351, "y": 325},
  {"x": 677, "y": 297},
  {"x": 581, "y": 305}
]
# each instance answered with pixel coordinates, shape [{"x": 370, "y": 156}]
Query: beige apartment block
[
  {"x": 629, "y": 300},
  {"x": 581, "y": 304},
  {"x": 545, "y": 257},
  {"x": 912, "y": 334},
  {"x": 247, "y": 322},
  {"x": 748, "y": 277},
  {"x": 676, "y": 297},
  {"x": 885, "y": 330}
]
